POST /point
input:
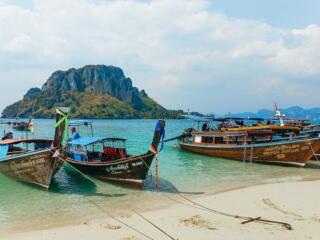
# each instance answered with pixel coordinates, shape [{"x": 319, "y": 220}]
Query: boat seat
[
  {"x": 110, "y": 153},
  {"x": 79, "y": 157}
]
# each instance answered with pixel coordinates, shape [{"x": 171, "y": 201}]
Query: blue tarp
[
  {"x": 86, "y": 140},
  {"x": 3, "y": 151},
  {"x": 197, "y": 118}
]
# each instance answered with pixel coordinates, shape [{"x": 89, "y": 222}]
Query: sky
[{"x": 215, "y": 56}]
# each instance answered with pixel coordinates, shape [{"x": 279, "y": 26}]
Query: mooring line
[
  {"x": 259, "y": 219},
  {"x": 247, "y": 219},
  {"x": 161, "y": 230},
  {"x": 118, "y": 220},
  {"x": 314, "y": 154},
  {"x": 99, "y": 207}
]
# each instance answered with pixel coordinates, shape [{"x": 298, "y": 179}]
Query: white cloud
[{"x": 175, "y": 49}]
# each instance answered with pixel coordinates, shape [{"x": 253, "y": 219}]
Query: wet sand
[{"x": 296, "y": 203}]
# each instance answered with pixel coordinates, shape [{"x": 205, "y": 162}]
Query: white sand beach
[{"x": 296, "y": 203}]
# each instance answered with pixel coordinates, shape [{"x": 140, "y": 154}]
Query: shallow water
[{"x": 73, "y": 198}]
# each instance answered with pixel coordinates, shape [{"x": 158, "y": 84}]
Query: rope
[
  {"x": 110, "y": 215},
  {"x": 157, "y": 174},
  {"x": 314, "y": 154},
  {"x": 144, "y": 162},
  {"x": 247, "y": 219},
  {"x": 165, "y": 233},
  {"x": 259, "y": 219},
  {"x": 120, "y": 221},
  {"x": 244, "y": 154}
]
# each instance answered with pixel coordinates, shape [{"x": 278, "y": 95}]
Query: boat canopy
[
  {"x": 197, "y": 118},
  {"x": 310, "y": 131},
  {"x": 222, "y": 119},
  {"x": 271, "y": 127},
  {"x": 238, "y": 118},
  {"x": 86, "y": 140},
  {"x": 115, "y": 139},
  {"x": 289, "y": 118},
  {"x": 76, "y": 123},
  {"x": 90, "y": 140}
]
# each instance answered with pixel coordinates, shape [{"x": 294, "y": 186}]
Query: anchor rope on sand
[
  {"x": 314, "y": 154},
  {"x": 143, "y": 217},
  {"x": 245, "y": 218},
  {"x": 113, "y": 217}
]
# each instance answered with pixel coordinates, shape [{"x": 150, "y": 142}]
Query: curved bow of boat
[{"x": 158, "y": 136}]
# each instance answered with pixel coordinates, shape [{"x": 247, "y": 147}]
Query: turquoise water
[{"x": 71, "y": 196}]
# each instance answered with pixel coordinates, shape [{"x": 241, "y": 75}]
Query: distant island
[
  {"x": 294, "y": 111},
  {"x": 93, "y": 91}
]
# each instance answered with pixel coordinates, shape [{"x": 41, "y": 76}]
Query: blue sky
[
  {"x": 280, "y": 13},
  {"x": 210, "y": 56}
]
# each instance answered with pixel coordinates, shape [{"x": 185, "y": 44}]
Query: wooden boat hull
[
  {"x": 295, "y": 152},
  {"x": 130, "y": 171},
  {"x": 37, "y": 167},
  {"x": 316, "y": 156}
]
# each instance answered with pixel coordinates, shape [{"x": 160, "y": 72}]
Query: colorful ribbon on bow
[{"x": 63, "y": 119}]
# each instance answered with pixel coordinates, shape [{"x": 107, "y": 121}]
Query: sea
[{"x": 74, "y": 198}]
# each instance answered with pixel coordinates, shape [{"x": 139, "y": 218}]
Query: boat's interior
[
  {"x": 240, "y": 138},
  {"x": 97, "y": 152},
  {"x": 11, "y": 147}
]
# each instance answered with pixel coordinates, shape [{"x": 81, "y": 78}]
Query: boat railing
[{"x": 219, "y": 134}]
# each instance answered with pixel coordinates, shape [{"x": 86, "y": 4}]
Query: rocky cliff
[{"x": 94, "y": 91}]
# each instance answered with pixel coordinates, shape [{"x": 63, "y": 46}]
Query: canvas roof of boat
[
  {"x": 115, "y": 139},
  {"x": 221, "y": 134},
  {"x": 92, "y": 140},
  {"x": 86, "y": 140},
  {"x": 197, "y": 118},
  {"x": 310, "y": 131},
  {"x": 238, "y": 118},
  {"x": 80, "y": 123},
  {"x": 290, "y": 119},
  {"x": 272, "y": 127}
]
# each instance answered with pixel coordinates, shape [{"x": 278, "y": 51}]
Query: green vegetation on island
[{"x": 94, "y": 91}]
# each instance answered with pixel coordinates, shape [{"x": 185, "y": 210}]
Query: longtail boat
[
  {"x": 107, "y": 158},
  {"x": 34, "y": 160},
  {"x": 253, "y": 146},
  {"x": 258, "y": 142},
  {"x": 22, "y": 126}
]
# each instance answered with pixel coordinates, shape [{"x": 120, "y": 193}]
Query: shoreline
[{"x": 276, "y": 201}]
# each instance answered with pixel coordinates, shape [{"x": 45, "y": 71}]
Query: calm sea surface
[{"x": 73, "y": 198}]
